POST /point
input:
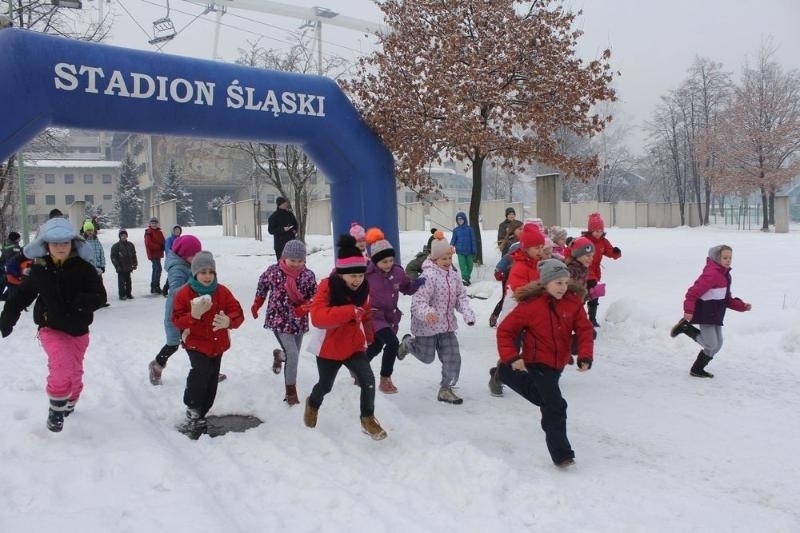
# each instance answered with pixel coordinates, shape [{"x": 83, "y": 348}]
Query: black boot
[
  {"x": 592, "y": 307},
  {"x": 698, "y": 368},
  {"x": 686, "y": 328},
  {"x": 55, "y": 416}
]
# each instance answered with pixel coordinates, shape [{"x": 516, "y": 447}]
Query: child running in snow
[
  {"x": 204, "y": 310},
  {"x": 290, "y": 286},
  {"x": 463, "y": 240},
  {"x": 386, "y": 281},
  {"x": 342, "y": 309},
  {"x": 433, "y": 321},
  {"x": 546, "y": 317},
  {"x": 525, "y": 258},
  {"x": 602, "y": 247},
  {"x": 503, "y": 267},
  {"x": 67, "y": 290},
  {"x": 705, "y": 305}
]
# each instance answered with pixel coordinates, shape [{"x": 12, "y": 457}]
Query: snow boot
[
  {"x": 686, "y": 328},
  {"x": 495, "y": 384},
  {"x": 291, "y": 395},
  {"x": 221, "y": 377},
  {"x": 370, "y": 426},
  {"x": 592, "y": 308},
  {"x": 196, "y": 423},
  {"x": 493, "y": 320},
  {"x": 155, "y": 372},
  {"x": 55, "y": 416},
  {"x": 386, "y": 386},
  {"x": 447, "y": 395},
  {"x": 402, "y": 350},
  {"x": 69, "y": 408},
  {"x": 566, "y": 463},
  {"x": 310, "y": 414},
  {"x": 277, "y": 360},
  {"x": 698, "y": 368}
]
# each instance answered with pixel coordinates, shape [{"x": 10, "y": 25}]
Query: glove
[
  {"x": 597, "y": 291},
  {"x": 302, "y": 310},
  {"x": 5, "y": 329},
  {"x": 498, "y": 275},
  {"x": 417, "y": 283},
  {"x": 584, "y": 363},
  {"x": 220, "y": 321},
  {"x": 199, "y": 306},
  {"x": 257, "y": 303},
  {"x": 617, "y": 251}
]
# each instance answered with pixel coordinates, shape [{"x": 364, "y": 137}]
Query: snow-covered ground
[{"x": 656, "y": 449}]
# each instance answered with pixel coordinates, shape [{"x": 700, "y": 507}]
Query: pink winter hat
[
  {"x": 186, "y": 246},
  {"x": 357, "y": 232}
]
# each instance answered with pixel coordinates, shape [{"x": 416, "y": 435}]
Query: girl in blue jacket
[{"x": 463, "y": 241}]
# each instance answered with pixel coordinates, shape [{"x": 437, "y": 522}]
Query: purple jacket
[
  {"x": 384, "y": 291},
  {"x": 280, "y": 311},
  {"x": 710, "y": 295}
]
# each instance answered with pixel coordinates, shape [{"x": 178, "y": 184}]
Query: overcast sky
[{"x": 653, "y": 42}]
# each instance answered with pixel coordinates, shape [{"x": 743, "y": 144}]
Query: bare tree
[
  {"x": 474, "y": 80},
  {"x": 42, "y": 16},
  {"x": 758, "y": 135}
]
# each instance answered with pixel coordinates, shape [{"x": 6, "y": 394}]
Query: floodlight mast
[{"x": 313, "y": 16}]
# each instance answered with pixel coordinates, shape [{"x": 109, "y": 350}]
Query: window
[
  {"x": 106, "y": 178},
  {"x": 69, "y": 199},
  {"x": 50, "y": 179},
  {"x": 107, "y": 197},
  {"x": 89, "y": 199},
  {"x": 50, "y": 199},
  {"x": 69, "y": 178},
  {"x": 88, "y": 178},
  {"x": 31, "y": 199}
]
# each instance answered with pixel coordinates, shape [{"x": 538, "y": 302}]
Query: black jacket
[
  {"x": 123, "y": 256},
  {"x": 66, "y": 295},
  {"x": 278, "y": 220}
]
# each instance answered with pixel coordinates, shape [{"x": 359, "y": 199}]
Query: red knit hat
[
  {"x": 531, "y": 236},
  {"x": 595, "y": 222}
]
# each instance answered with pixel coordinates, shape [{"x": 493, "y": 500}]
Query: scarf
[
  {"x": 201, "y": 289},
  {"x": 295, "y": 296},
  {"x": 341, "y": 293}
]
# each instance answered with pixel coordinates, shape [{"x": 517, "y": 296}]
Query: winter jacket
[
  {"x": 98, "y": 257},
  {"x": 463, "y": 238},
  {"x": 384, "y": 292},
  {"x": 198, "y": 334},
  {"x": 546, "y": 325},
  {"x": 710, "y": 295},
  {"x": 577, "y": 272},
  {"x": 279, "y": 219},
  {"x": 414, "y": 267},
  {"x": 280, "y": 310},
  {"x": 602, "y": 247},
  {"x": 66, "y": 294},
  {"x": 154, "y": 243},
  {"x": 442, "y": 294},
  {"x": 178, "y": 273},
  {"x": 123, "y": 256},
  {"x": 504, "y": 265},
  {"x": 11, "y": 260},
  {"x": 502, "y": 231},
  {"x": 523, "y": 270},
  {"x": 345, "y": 335}
]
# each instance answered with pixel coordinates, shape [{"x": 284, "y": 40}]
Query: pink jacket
[
  {"x": 442, "y": 294},
  {"x": 710, "y": 295}
]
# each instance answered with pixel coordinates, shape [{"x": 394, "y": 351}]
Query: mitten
[
  {"x": 257, "y": 303},
  {"x": 220, "y": 321},
  {"x": 617, "y": 251},
  {"x": 417, "y": 283},
  {"x": 584, "y": 363},
  {"x": 200, "y": 305},
  {"x": 498, "y": 275},
  {"x": 597, "y": 291},
  {"x": 302, "y": 310}
]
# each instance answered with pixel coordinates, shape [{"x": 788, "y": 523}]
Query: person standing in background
[
  {"x": 154, "y": 244},
  {"x": 282, "y": 225}
]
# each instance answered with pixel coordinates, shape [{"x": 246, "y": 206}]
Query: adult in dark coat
[
  {"x": 282, "y": 225},
  {"x": 502, "y": 229}
]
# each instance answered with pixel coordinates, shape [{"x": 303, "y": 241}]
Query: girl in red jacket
[
  {"x": 341, "y": 308},
  {"x": 705, "y": 305},
  {"x": 546, "y": 316},
  {"x": 602, "y": 247},
  {"x": 204, "y": 311}
]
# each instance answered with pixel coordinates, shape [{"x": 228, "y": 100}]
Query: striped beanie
[
  {"x": 349, "y": 259},
  {"x": 379, "y": 247}
]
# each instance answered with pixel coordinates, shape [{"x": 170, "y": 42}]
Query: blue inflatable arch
[{"x": 53, "y": 81}]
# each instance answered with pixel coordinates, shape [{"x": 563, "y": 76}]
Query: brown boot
[
  {"x": 386, "y": 386},
  {"x": 370, "y": 426},
  {"x": 291, "y": 395},
  {"x": 277, "y": 361},
  {"x": 310, "y": 414}
]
